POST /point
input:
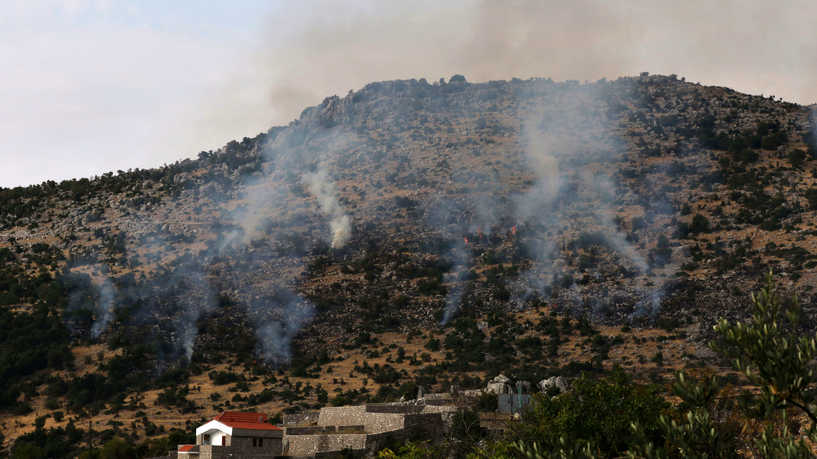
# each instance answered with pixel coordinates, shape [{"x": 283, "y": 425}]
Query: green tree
[
  {"x": 699, "y": 427},
  {"x": 772, "y": 352},
  {"x": 700, "y": 224},
  {"x": 596, "y": 414}
]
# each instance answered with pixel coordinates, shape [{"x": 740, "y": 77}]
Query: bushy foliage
[
  {"x": 596, "y": 412},
  {"x": 774, "y": 354},
  {"x": 613, "y": 416},
  {"x": 31, "y": 341}
]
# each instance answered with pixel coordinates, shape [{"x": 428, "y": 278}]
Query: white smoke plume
[
  {"x": 277, "y": 321},
  {"x": 103, "y": 308},
  {"x": 196, "y": 299},
  {"x": 323, "y": 188},
  {"x": 264, "y": 200},
  {"x": 174, "y": 298},
  {"x": 567, "y": 197},
  {"x": 90, "y": 300},
  {"x": 461, "y": 259}
]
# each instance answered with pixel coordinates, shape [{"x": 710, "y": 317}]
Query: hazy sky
[{"x": 91, "y": 86}]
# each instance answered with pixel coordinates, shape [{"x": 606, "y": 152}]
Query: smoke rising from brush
[
  {"x": 571, "y": 204},
  {"x": 267, "y": 207},
  {"x": 324, "y": 190},
  {"x": 104, "y": 308},
  {"x": 196, "y": 299},
  {"x": 96, "y": 297},
  {"x": 461, "y": 260},
  {"x": 278, "y": 319}
]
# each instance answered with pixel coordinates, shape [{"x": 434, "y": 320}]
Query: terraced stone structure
[{"x": 363, "y": 428}]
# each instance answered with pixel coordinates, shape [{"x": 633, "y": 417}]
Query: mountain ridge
[{"x": 640, "y": 202}]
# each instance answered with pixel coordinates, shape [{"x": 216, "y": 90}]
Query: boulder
[
  {"x": 554, "y": 382},
  {"x": 499, "y": 385}
]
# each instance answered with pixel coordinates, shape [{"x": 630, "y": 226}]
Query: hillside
[{"x": 445, "y": 232}]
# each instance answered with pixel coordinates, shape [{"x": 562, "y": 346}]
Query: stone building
[
  {"x": 362, "y": 429},
  {"x": 234, "y": 435},
  {"x": 357, "y": 430}
]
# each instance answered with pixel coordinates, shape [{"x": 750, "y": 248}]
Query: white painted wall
[
  {"x": 215, "y": 430},
  {"x": 215, "y": 438}
]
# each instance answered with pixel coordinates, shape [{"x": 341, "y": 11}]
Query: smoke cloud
[
  {"x": 571, "y": 147},
  {"x": 461, "y": 260},
  {"x": 261, "y": 68},
  {"x": 324, "y": 190},
  {"x": 276, "y": 326},
  {"x": 94, "y": 296},
  {"x": 104, "y": 308},
  {"x": 484, "y": 40},
  {"x": 568, "y": 200}
]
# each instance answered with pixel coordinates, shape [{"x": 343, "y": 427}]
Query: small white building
[{"x": 235, "y": 435}]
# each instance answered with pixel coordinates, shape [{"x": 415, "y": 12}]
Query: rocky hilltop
[{"x": 447, "y": 211}]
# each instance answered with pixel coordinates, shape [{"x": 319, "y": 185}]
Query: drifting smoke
[
  {"x": 324, "y": 190},
  {"x": 104, "y": 308},
  {"x": 606, "y": 190},
  {"x": 649, "y": 306},
  {"x": 460, "y": 256},
  {"x": 263, "y": 199},
  {"x": 96, "y": 298},
  {"x": 267, "y": 202},
  {"x": 278, "y": 320},
  {"x": 568, "y": 197},
  {"x": 196, "y": 299}
]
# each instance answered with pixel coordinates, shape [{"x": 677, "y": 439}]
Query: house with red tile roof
[{"x": 235, "y": 435}]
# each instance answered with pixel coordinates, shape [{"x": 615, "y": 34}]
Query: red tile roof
[
  {"x": 183, "y": 448},
  {"x": 250, "y": 421}
]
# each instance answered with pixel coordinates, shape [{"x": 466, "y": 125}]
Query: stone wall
[
  {"x": 383, "y": 422},
  {"x": 439, "y": 409},
  {"x": 394, "y": 409},
  {"x": 304, "y": 418},
  {"x": 271, "y": 445},
  {"x": 316, "y": 430},
  {"x": 225, "y": 452},
  {"x": 372, "y": 422},
  {"x": 310, "y": 445},
  {"x": 342, "y": 415},
  {"x": 365, "y": 428}
]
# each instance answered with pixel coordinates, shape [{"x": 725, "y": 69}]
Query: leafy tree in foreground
[
  {"x": 768, "y": 351},
  {"x": 771, "y": 350}
]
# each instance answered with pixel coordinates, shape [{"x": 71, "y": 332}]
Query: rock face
[
  {"x": 554, "y": 383},
  {"x": 499, "y": 385}
]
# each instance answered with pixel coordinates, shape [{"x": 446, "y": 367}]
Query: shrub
[
  {"x": 700, "y": 224},
  {"x": 811, "y": 196},
  {"x": 596, "y": 412}
]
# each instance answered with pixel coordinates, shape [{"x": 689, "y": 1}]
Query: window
[{"x": 257, "y": 442}]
